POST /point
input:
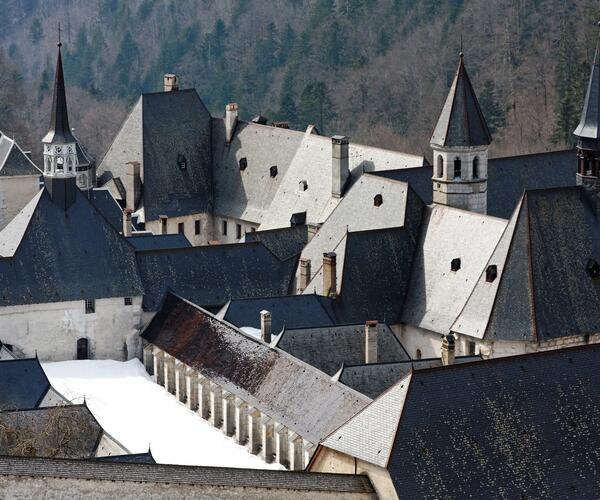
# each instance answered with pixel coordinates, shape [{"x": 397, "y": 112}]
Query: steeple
[{"x": 460, "y": 148}]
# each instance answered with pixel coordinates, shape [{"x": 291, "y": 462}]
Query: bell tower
[{"x": 460, "y": 144}]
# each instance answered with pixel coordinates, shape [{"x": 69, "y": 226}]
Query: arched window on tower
[
  {"x": 440, "y": 166},
  {"x": 457, "y": 168},
  {"x": 476, "y": 167}
]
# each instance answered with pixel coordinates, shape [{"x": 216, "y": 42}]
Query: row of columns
[{"x": 262, "y": 435}]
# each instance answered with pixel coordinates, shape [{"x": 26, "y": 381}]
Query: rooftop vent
[
  {"x": 260, "y": 119},
  {"x": 378, "y": 200},
  {"x": 303, "y": 185},
  {"x": 593, "y": 268},
  {"x": 455, "y": 264},
  {"x": 243, "y": 163},
  {"x": 181, "y": 161},
  {"x": 491, "y": 273},
  {"x": 298, "y": 219},
  {"x": 273, "y": 171},
  {"x": 281, "y": 124}
]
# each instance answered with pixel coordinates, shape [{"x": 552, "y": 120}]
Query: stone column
[
  {"x": 169, "y": 374},
  {"x": 191, "y": 388},
  {"x": 254, "y": 428},
  {"x": 159, "y": 370},
  {"x": 295, "y": 451},
  {"x": 268, "y": 442},
  {"x": 203, "y": 397},
  {"x": 180, "y": 386},
  {"x": 281, "y": 445},
  {"x": 216, "y": 406},
  {"x": 228, "y": 413},
  {"x": 241, "y": 421},
  {"x": 149, "y": 359}
]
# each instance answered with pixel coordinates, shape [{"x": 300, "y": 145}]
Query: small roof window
[
  {"x": 455, "y": 264},
  {"x": 181, "y": 161},
  {"x": 243, "y": 163},
  {"x": 491, "y": 273},
  {"x": 303, "y": 185},
  {"x": 378, "y": 200},
  {"x": 593, "y": 268},
  {"x": 273, "y": 171}
]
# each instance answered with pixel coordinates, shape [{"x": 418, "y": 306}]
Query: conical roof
[
  {"x": 461, "y": 122},
  {"x": 60, "y": 131},
  {"x": 590, "y": 116}
]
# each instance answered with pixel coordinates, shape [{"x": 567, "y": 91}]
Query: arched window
[
  {"x": 476, "y": 167},
  {"x": 82, "y": 348},
  {"x": 440, "y": 166},
  {"x": 418, "y": 354},
  {"x": 378, "y": 200},
  {"x": 457, "y": 167}
]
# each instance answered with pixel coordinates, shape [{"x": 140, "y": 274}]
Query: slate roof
[
  {"x": 147, "y": 241},
  {"x": 212, "y": 275},
  {"x": 525, "y": 426},
  {"x": 23, "y": 384},
  {"x": 181, "y": 474},
  {"x": 328, "y": 348},
  {"x": 289, "y": 311},
  {"x": 284, "y": 243},
  {"x": 291, "y": 392},
  {"x": 589, "y": 125},
  {"x": 48, "y": 254},
  {"x": 375, "y": 378},
  {"x": 134, "y": 458},
  {"x": 104, "y": 202},
  {"x": 461, "y": 122},
  {"x": 13, "y": 161},
  {"x": 59, "y": 431}
]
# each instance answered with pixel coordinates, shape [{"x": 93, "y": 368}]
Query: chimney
[
  {"x": 163, "y": 224},
  {"x": 340, "y": 169},
  {"x": 329, "y": 274},
  {"x": 304, "y": 274},
  {"x": 231, "y": 114},
  {"x": 265, "y": 326},
  {"x": 371, "y": 342},
  {"x": 171, "y": 82},
  {"x": 448, "y": 349},
  {"x": 132, "y": 184},
  {"x": 127, "y": 222}
]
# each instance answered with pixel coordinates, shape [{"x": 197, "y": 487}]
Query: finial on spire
[
  {"x": 461, "y": 46},
  {"x": 59, "y": 44}
]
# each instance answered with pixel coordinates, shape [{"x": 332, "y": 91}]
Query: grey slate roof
[
  {"x": 23, "y": 384},
  {"x": 212, "y": 275},
  {"x": 589, "y": 125},
  {"x": 135, "y": 458},
  {"x": 289, "y": 311},
  {"x": 56, "y": 255},
  {"x": 181, "y": 474},
  {"x": 461, "y": 122},
  {"x": 158, "y": 241},
  {"x": 60, "y": 431},
  {"x": 291, "y": 392},
  {"x": 328, "y": 348},
  {"x": 13, "y": 161},
  {"x": 284, "y": 243},
  {"x": 104, "y": 202}
]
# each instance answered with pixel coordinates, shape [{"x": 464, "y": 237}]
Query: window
[
  {"x": 224, "y": 228},
  {"x": 440, "y": 166},
  {"x": 90, "y": 306},
  {"x": 181, "y": 161},
  {"x": 491, "y": 272},
  {"x": 163, "y": 225},
  {"x": 303, "y": 185},
  {"x": 593, "y": 269},
  {"x": 471, "y": 348},
  {"x": 197, "y": 227},
  {"x": 455, "y": 264},
  {"x": 273, "y": 171},
  {"x": 243, "y": 163},
  {"x": 252, "y": 229},
  {"x": 238, "y": 231},
  {"x": 82, "y": 348},
  {"x": 418, "y": 356},
  {"x": 181, "y": 228},
  {"x": 457, "y": 168},
  {"x": 476, "y": 167},
  {"x": 378, "y": 200},
  {"x": 128, "y": 301}
]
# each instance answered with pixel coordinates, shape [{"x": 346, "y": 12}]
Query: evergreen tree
[
  {"x": 287, "y": 103},
  {"x": 315, "y": 105},
  {"x": 36, "y": 31},
  {"x": 495, "y": 115}
]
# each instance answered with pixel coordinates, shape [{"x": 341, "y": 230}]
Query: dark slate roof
[
  {"x": 212, "y": 275},
  {"x": 289, "y": 311},
  {"x": 108, "y": 207},
  {"x": 461, "y": 122},
  {"x": 508, "y": 177},
  {"x": 181, "y": 474},
  {"x": 176, "y": 130},
  {"x": 62, "y": 255},
  {"x": 23, "y": 384},
  {"x": 377, "y": 267},
  {"x": 375, "y": 378},
  {"x": 284, "y": 243},
  {"x": 526, "y": 426},
  {"x": 16, "y": 161},
  {"x": 60, "y": 131},
  {"x": 329, "y": 348},
  {"x": 291, "y": 392},
  {"x": 134, "y": 458},
  {"x": 158, "y": 241},
  {"x": 589, "y": 125},
  {"x": 59, "y": 431}
]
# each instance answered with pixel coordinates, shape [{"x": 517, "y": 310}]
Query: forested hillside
[{"x": 377, "y": 71}]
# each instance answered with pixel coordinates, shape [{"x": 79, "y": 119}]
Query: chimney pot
[
  {"x": 371, "y": 342},
  {"x": 340, "y": 164},
  {"x": 304, "y": 274},
  {"x": 329, "y": 274},
  {"x": 265, "y": 326},
  {"x": 448, "y": 345},
  {"x": 133, "y": 184},
  {"x": 171, "y": 82},
  {"x": 127, "y": 222},
  {"x": 231, "y": 115}
]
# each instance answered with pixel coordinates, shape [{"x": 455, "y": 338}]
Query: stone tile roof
[
  {"x": 328, "y": 348},
  {"x": 136, "y": 458},
  {"x": 23, "y": 384},
  {"x": 147, "y": 241},
  {"x": 181, "y": 474},
  {"x": 284, "y": 243},
  {"x": 291, "y": 392},
  {"x": 104, "y": 202},
  {"x": 13, "y": 161}
]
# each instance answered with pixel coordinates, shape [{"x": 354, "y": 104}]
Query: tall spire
[
  {"x": 461, "y": 122},
  {"x": 588, "y": 129}
]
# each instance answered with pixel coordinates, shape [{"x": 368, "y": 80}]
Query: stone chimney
[
  {"x": 304, "y": 274},
  {"x": 171, "y": 82},
  {"x": 127, "y": 222},
  {"x": 132, "y": 184},
  {"x": 231, "y": 114},
  {"x": 163, "y": 224},
  {"x": 340, "y": 162},
  {"x": 329, "y": 274},
  {"x": 448, "y": 349},
  {"x": 371, "y": 342},
  {"x": 265, "y": 326}
]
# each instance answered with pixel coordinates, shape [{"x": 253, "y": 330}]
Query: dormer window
[
  {"x": 491, "y": 273},
  {"x": 181, "y": 161},
  {"x": 243, "y": 163},
  {"x": 303, "y": 185},
  {"x": 273, "y": 171},
  {"x": 455, "y": 265},
  {"x": 378, "y": 200},
  {"x": 593, "y": 269}
]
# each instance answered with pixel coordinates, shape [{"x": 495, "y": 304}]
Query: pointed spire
[
  {"x": 59, "y": 132},
  {"x": 589, "y": 126},
  {"x": 461, "y": 122}
]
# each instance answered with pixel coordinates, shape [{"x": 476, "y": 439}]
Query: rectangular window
[
  {"x": 128, "y": 301},
  {"x": 90, "y": 306},
  {"x": 253, "y": 229},
  {"x": 197, "y": 227},
  {"x": 180, "y": 228},
  {"x": 471, "y": 346},
  {"x": 224, "y": 230},
  {"x": 238, "y": 231}
]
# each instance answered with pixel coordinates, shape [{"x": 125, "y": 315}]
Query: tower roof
[
  {"x": 60, "y": 131},
  {"x": 461, "y": 122},
  {"x": 589, "y": 126}
]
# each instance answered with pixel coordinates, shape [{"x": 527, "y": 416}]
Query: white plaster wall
[
  {"x": 53, "y": 398},
  {"x": 52, "y": 329},
  {"x": 15, "y": 193},
  {"x": 413, "y": 338},
  {"x": 109, "y": 446}
]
